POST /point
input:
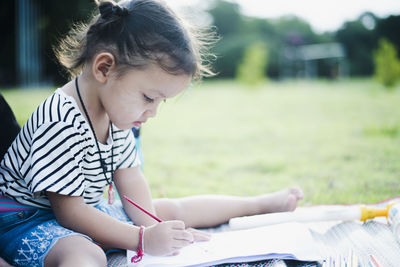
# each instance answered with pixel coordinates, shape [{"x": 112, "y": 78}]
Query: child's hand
[
  {"x": 199, "y": 235},
  {"x": 166, "y": 238}
]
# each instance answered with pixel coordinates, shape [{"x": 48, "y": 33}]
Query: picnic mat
[{"x": 334, "y": 238}]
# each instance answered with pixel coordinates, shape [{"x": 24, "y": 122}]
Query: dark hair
[{"x": 139, "y": 32}]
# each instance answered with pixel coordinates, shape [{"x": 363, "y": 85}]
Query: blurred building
[
  {"x": 29, "y": 62},
  {"x": 314, "y": 60}
]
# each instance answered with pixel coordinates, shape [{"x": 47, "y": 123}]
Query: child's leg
[
  {"x": 3, "y": 263},
  {"x": 75, "y": 250},
  {"x": 210, "y": 210}
]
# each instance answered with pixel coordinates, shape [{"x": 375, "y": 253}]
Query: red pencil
[
  {"x": 375, "y": 261},
  {"x": 142, "y": 209}
]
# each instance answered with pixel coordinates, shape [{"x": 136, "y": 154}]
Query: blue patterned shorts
[{"x": 27, "y": 236}]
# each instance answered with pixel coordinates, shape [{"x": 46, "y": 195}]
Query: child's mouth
[{"x": 138, "y": 123}]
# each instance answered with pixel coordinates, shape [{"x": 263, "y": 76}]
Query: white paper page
[{"x": 287, "y": 241}]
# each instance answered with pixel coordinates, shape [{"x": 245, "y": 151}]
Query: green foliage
[
  {"x": 387, "y": 65},
  {"x": 230, "y": 51},
  {"x": 252, "y": 69},
  {"x": 291, "y": 26},
  {"x": 359, "y": 43},
  {"x": 226, "y": 17}
]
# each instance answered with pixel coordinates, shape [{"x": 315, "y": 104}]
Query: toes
[{"x": 297, "y": 192}]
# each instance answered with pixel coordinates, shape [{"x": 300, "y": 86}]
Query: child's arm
[
  {"x": 71, "y": 212},
  {"x": 132, "y": 183},
  {"x": 160, "y": 239}
]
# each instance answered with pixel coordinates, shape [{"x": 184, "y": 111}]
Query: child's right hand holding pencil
[{"x": 166, "y": 238}]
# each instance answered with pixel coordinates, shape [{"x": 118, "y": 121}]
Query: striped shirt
[{"x": 56, "y": 151}]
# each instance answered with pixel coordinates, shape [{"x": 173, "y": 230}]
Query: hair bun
[{"x": 108, "y": 9}]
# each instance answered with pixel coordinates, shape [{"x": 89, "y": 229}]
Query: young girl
[{"x": 133, "y": 56}]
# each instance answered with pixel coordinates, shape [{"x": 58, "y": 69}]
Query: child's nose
[{"x": 151, "y": 112}]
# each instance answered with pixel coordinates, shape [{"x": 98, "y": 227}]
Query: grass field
[{"x": 339, "y": 141}]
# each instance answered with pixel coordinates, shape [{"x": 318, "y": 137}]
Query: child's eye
[{"x": 148, "y": 99}]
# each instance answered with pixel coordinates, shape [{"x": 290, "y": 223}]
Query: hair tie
[
  {"x": 120, "y": 11},
  {"x": 108, "y": 9}
]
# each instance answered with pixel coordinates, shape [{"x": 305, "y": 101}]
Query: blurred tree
[
  {"x": 294, "y": 31},
  {"x": 55, "y": 22},
  {"x": 226, "y": 16},
  {"x": 265, "y": 31},
  {"x": 228, "y": 21},
  {"x": 359, "y": 42},
  {"x": 387, "y": 65},
  {"x": 389, "y": 28},
  {"x": 252, "y": 68}
]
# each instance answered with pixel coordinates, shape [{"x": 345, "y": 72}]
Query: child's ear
[{"x": 102, "y": 65}]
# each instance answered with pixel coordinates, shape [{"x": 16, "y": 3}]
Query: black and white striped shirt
[{"x": 56, "y": 151}]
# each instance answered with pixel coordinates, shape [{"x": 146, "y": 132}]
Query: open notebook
[{"x": 283, "y": 241}]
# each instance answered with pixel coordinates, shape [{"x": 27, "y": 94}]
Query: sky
[{"x": 322, "y": 15}]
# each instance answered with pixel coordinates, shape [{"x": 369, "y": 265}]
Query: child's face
[{"x": 133, "y": 98}]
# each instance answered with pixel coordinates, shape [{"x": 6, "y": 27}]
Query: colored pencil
[{"x": 142, "y": 209}]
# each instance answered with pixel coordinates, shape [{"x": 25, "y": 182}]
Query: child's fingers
[
  {"x": 199, "y": 235},
  {"x": 182, "y": 239},
  {"x": 180, "y": 243},
  {"x": 184, "y": 236},
  {"x": 177, "y": 225}
]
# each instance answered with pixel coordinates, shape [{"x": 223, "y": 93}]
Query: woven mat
[{"x": 333, "y": 238}]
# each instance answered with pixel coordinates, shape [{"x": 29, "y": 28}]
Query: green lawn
[{"x": 339, "y": 141}]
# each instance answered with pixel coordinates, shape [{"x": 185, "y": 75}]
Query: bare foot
[{"x": 280, "y": 201}]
